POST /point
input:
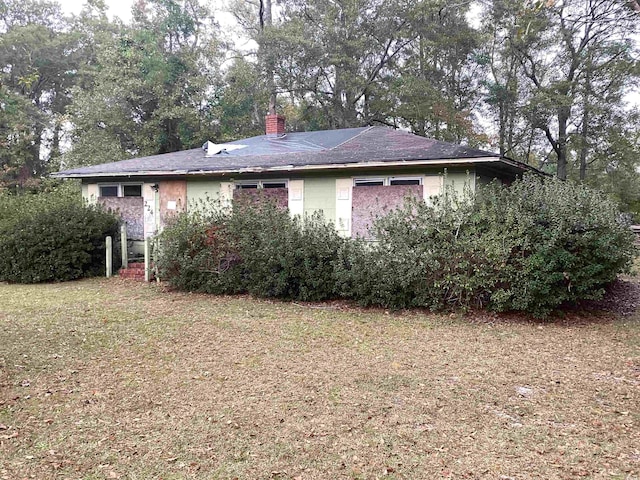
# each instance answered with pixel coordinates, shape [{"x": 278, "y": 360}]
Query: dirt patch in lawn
[{"x": 111, "y": 379}]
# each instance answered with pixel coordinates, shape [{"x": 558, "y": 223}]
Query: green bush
[
  {"x": 254, "y": 247},
  {"x": 52, "y": 236},
  {"x": 423, "y": 256},
  {"x": 553, "y": 242},
  {"x": 197, "y": 253},
  {"x": 532, "y": 246}
]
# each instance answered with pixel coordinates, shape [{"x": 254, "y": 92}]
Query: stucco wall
[
  {"x": 130, "y": 209},
  {"x": 460, "y": 181},
  {"x": 173, "y": 198},
  {"x": 371, "y": 202}
]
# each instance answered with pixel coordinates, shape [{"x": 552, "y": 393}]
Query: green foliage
[
  {"x": 52, "y": 236},
  {"x": 533, "y": 246},
  {"x": 253, "y": 247},
  {"x": 554, "y": 242},
  {"x": 197, "y": 253},
  {"x": 425, "y": 255},
  {"x": 285, "y": 257}
]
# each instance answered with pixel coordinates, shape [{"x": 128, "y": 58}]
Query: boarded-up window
[
  {"x": 370, "y": 202},
  {"x": 278, "y": 195},
  {"x": 130, "y": 210}
]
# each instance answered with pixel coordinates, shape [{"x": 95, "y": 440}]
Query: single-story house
[{"x": 350, "y": 174}]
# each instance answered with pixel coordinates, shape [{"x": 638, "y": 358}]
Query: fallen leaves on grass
[{"x": 192, "y": 386}]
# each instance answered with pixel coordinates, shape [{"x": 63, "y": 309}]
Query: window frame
[
  {"x": 386, "y": 181},
  {"x": 407, "y": 178},
  {"x": 120, "y": 189},
  {"x": 369, "y": 181},
  {"x": 259, "y": 184}
]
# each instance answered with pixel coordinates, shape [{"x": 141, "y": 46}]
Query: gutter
[{"x": 301, "y": 168}]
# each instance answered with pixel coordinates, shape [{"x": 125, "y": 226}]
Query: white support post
[
  {"x": 123, "y": 246},
  {"x": 109, "y": 259},
  {"x": 147, "y": 259}
]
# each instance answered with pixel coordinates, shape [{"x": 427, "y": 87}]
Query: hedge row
[
  {"x": 52, "y": 236},
  {"x": 531, "y": 247}
]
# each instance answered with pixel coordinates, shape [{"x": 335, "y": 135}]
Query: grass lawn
[{"x": 114, "y": 379}]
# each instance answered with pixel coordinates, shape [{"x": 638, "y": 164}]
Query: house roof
[{"x": 319, "y": 150}]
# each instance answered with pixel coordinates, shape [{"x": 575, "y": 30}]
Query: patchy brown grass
[{"x": 112, "y": 379}]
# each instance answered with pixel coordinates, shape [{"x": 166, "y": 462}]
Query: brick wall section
[
  {"x": 172, "y": 191},
  {"x": 130, "y": 209},
  {"x": 280, "y": 196},
  {"x": 274, "y": 124},
  {"x": 371, "y": 202}
]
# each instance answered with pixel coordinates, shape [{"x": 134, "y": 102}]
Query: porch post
[{"x": 109, "y": 259}]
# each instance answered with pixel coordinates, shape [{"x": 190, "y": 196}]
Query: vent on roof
[{"x": 216, "y": 148}]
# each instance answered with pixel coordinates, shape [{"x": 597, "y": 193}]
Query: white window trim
[
  {"x": 260, "y": 183},
  {"x": 120, "y": 187},
  {"x": 419, "y": 179},
  {"x": 386, "y": 181},
  {"x": 369, "y": 179}
]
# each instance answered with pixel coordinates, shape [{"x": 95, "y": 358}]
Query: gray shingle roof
[{"x": 346, "y": 147}]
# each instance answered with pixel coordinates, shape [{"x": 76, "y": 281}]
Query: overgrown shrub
[
  {"x": 553, "y": 241},
  {"x": 197, "y": 253},
  {"x": 253, "y": 247},
  {"x": 52, "y": 236},
  {"x": 423, "y": 256},
  {"x": 531, "y": 247}
]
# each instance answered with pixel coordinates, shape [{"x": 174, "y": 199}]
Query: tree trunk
[
  {"x": 584, "y": 132},
  {"x": 561, "y": 150},
  {"x": 266, "y": 22}
]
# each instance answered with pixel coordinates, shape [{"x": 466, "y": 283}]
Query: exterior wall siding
[
  {"x": 93, "y": 192},
  {"x": 296, "y": 197},
  {"x": 460, "y": 181},
  {"x": 150, "y": 214},
  {"x": 320, "y": 194},
  {"x": 202, "y": 192},
  {"x": 332, "y": 194}
]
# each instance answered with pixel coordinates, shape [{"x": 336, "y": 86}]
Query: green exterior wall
[
  {"x": 459, "y": 179},
  {"x": 201, "y": 191},
  {"x": 320, "y": 194}
]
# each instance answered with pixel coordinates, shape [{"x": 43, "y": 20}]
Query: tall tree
[
  {"x": 38, "y": 64},
  {"x": 435, "y": 84},
  {"x": 149, "y": 88},
  {"x": 561, "y": 46}
]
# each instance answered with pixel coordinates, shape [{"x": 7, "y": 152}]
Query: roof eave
[{"x": 303, "y": 168}]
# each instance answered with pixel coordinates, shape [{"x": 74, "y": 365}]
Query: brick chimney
[{"x": 274, "y": 125}]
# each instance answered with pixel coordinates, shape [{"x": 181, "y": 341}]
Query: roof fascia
[{"x": 304, "y": 168}]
